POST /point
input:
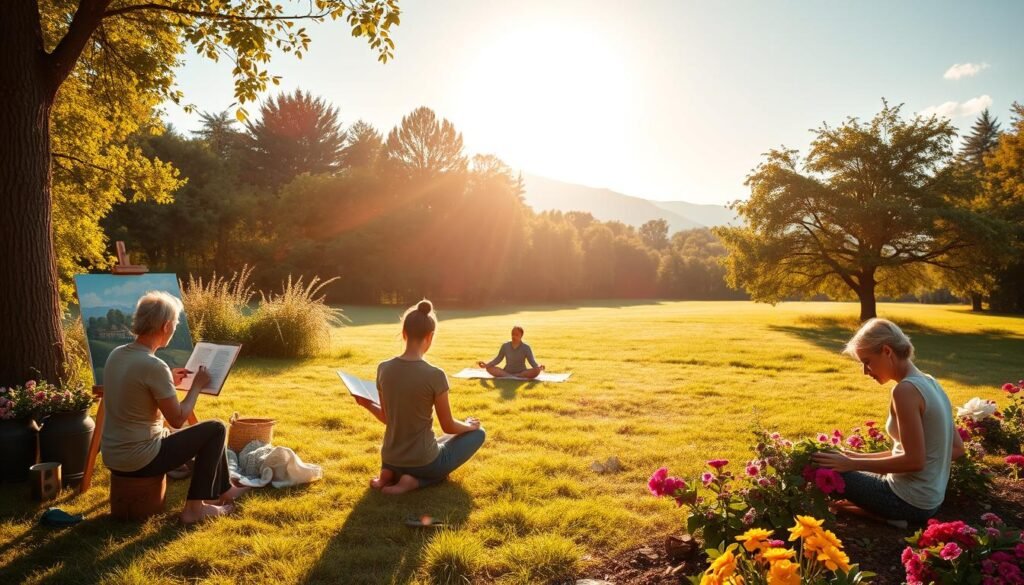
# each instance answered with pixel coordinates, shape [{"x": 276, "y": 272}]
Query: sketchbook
[
  {"x": 360, "y": 388},
  {"x": 217, "y": 358},
  {"x": 470, "y": 373}
]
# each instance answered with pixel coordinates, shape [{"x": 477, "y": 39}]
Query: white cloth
[
  {"x": 542, "y": 377},
  {"x": 259, "y": 464}
]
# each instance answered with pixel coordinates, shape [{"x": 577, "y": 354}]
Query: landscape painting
[{"x": 107, "y": 302}]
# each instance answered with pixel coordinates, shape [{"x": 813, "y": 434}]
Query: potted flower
[
  {"x": 66, "y": 429},
  {"x": 18, "y": 434}
]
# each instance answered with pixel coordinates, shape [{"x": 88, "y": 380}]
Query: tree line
[{"x": 396, "y": 216}]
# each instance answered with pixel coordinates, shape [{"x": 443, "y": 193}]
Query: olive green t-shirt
[
  {"x": 133, "y": 380},
  {"x": 407, "y": 391}
]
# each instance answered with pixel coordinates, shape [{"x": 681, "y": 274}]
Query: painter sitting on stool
[{"x": 139, "y": 394}]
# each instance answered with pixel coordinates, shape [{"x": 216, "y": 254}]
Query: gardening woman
[
  {"x": 411, "y": 391},
  {"x": 139, "y": 395},
  {"x": 909, "y": 483}
]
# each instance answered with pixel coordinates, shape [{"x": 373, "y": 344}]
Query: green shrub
[
  {"x": 218, "y": 309},
  {"x": 452, "y": 558},
  {"x": 542, "y": 558},
  {"x": 295, "y": 323}
]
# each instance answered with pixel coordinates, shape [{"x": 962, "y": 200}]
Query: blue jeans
[
  {"x": 454, "y": 453},
  {"x": 871, "y": 492}
]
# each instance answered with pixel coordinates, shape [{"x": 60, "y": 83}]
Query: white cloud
[
  {"x": 961, "y": 70},
  {"x": 971, "y": 107}
]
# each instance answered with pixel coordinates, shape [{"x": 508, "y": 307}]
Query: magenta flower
[
  {"x": 753, "y": 470},
  {"x": 822, "y": 438},
  {"x": 657, "y": 482},
  {"x": 808, "y": 473},
  {"x": 1017, "y": 460},
  {"x": 855, "y": 441},
  {"x": 776, "y": 544},
  {"x": 990, "y": 518},
  {"x": 829, "y": 480},
  {"x": 993, "y": 532},
  {"x": 965, "y": 435},
  {"x": 950, "y": 552},
  {"x": 718, "y": 464},
  {"x": 869, "y": 423},
  {"x": 764, "y": 482},
  {"x": 707, "y": 478}
]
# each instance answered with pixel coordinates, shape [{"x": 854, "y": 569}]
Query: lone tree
[
  {"x": 870, "y": 209},
  {"x": 42, "y": 45}
]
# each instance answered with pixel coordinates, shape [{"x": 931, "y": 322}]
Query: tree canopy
[{"x": 872, "y": 205}]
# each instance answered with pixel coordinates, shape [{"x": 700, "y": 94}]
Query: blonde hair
[
  {"x": 155, "y": 308},
  {"x": 875, "y": 334}
]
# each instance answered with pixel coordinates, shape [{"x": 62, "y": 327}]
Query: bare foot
[
  {"x": 406, "y": 484},
  {"x": 386, "y": 478},
  {"x": 233, "y": 493},
  {"x": 202, "y": 511}
]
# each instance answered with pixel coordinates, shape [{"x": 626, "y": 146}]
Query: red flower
[{"x": 718, "y": 463}]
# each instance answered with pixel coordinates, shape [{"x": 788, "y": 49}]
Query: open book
[
  {"x": 361, "y": 388},
  {"x": 217, "y": 358}
]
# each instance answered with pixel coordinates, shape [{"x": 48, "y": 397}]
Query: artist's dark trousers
[{"x": 205, "y": 442}]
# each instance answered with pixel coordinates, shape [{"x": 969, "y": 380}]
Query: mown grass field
[{"x": 653, "y": 384}]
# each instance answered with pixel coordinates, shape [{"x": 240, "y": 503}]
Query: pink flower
[
  {"x": 965, "y": 435},
  {"x": 950, "y": 552},
  {"x": 1015, "y": 460},
  {"x": 707, "y": 478},
  {"x": 657, "y": 482},
  {"x": 993, "y": 532},
  {"x": 718, "y": 463},
  {"x": 30, "y": 384},
  {"x": 837, "y": 433},
  {"x": 874, "y": 433},
  {"x": 835, "y": 440},
  {"x": 1018, "y": 550},
  {"x": 753, "y": 470},
  {"x": 776, "y": 544},
  {"x": 776, "y": 436},
  {"x": 990, "y": 518},
  {"x": 855, "y": 441},
  {"x": 822, "y": 438},
  {"x": 749, "y": 518},
  {"x": 764, "y": 482},
  {"x": 787, "y": 443},
  {"x": 40, "y": 395},
  {"x": 829, "y": 480}
]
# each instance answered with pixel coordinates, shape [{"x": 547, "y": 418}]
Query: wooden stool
[{"x": 137, "y": 498}]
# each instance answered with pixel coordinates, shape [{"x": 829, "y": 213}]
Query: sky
[{"x": 661, "y": 99}]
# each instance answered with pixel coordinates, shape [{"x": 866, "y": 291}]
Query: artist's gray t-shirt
[
  {"x": 515, "y": 357},
  {"x": 133, "y": 381},
  {"x": 407, "y": 392}
]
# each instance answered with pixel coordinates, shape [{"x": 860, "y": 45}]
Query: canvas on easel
[{"x": 107, "y": 302}]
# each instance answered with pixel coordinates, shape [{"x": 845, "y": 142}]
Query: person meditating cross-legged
[
  {"x": 411, "y": 390},
  {"x": 139, "y": 395},
  {"x": 907, "y": 484},
  {"x": 516, "y": 354}
]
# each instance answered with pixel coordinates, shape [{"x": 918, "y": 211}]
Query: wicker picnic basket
[{"x": 244, "y": 430}]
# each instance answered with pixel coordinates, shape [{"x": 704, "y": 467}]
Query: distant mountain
[{"x": 543, "y": 194}]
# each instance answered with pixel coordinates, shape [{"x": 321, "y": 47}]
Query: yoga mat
[{"x": 470, "y": 373}]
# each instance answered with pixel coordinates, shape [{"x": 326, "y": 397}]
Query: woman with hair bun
[
  {"x": 907, "y": 484},
  {"x": 411, "y": 391}
]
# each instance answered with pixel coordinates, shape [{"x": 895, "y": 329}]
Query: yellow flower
[
  {"x": 834, "y": 559},
  {"x": 784, "y": 572},
  {"x": 754, "y": 539},
  {"x": 721, "y": 570},
  {"x": 805, "y": 526},
  {"x": 821, "y": 540},
  {"x": 777, "y": 554}
]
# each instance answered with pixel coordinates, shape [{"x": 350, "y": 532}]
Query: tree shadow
[
  {"x": 507, "y": 389},
  {"x": 53, "y": 545},
  {"x": 374, "y": 544},
  {"x": 982, "y": 358},
  {"x": 391, "y": 314}
]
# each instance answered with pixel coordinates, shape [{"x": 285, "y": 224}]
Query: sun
[{"x": 550, "y": 98}]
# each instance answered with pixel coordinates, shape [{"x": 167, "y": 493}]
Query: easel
[{"x": 123, "y": 268}]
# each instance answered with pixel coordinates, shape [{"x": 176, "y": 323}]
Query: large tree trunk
[
  {"x": 866, "y": 294},
  {"x": 31, "y": 341},
  {"x": 976, "y": 302}
]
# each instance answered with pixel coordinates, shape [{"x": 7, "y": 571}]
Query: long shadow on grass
[
  {"x": 984, "y": 358},
  {"x": 375, "y": 546},
  {"x": 59, "y": 551},
  {"x": 507, "y": 389}
]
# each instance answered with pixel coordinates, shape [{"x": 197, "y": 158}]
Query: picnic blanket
[{"x": 470, "y": 373}]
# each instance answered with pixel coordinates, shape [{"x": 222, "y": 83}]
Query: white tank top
[{"x": 926, "y": 489}]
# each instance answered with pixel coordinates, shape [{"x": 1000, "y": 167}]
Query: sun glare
[{"x": 554, "y": 99}]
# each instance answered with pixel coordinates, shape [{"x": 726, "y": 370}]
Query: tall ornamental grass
[{"x": 218, "y": 308}]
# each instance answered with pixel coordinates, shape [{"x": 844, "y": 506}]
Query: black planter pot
[
  {"x": 65, "y": 438},
  {"x": 19, "y": 448}
]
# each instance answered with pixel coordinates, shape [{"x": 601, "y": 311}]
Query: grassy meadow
[{"x": 653, "y": 384}]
